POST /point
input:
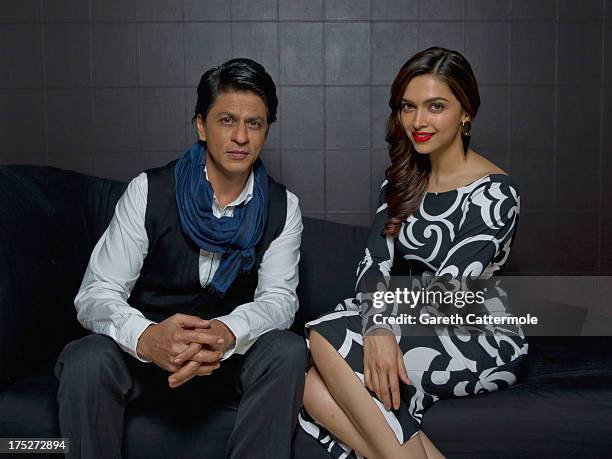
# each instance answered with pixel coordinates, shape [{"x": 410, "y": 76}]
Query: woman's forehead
[{"x": 424, "y": 87}]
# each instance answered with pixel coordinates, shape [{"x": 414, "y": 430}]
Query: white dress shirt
[{"x": 118, "y": 257}]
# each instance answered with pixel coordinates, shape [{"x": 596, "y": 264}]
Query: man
[{"x": 195, "y": 279}]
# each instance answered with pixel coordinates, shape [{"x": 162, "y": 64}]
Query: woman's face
[{"x": 431, "y": 115}]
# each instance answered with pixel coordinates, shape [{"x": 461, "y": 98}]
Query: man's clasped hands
[{"x": 187, "y": 346}]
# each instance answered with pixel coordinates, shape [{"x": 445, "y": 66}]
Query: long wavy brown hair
[{"x": 408, "y": 175}]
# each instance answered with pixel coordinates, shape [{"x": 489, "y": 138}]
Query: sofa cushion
[
  {"x": 329, "y": 255},
  {"x": 560, "y": 418},
  {"x": 43, "y": 253}
]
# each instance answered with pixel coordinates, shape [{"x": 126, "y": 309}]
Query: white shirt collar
[{"x": 245, "y": 195}]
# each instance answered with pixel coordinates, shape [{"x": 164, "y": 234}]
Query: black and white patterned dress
[{"x": 462, "y": 232}]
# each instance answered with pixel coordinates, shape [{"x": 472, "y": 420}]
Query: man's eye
[{"x": 255, "y": 124}]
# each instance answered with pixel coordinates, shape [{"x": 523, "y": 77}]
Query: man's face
[{"x": 235, "y": 131}]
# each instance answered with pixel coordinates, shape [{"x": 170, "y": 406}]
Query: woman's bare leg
[
  {"x": 324, "y": 409},
  {"x": 355, "y": 401},
  {"x": 430, "y": 449}
]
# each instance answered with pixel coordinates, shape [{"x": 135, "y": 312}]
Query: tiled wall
[{"x": 108, "y": 86}]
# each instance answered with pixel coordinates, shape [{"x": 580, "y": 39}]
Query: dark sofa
[{"x": 50, "y": 220}]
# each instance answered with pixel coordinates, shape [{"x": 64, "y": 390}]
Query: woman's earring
[{"x": 466, "y": 128}]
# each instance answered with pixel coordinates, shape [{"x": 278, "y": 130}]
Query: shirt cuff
[
  {"x": 240, "y": 331},
  {"x": 134, "y": 327}
]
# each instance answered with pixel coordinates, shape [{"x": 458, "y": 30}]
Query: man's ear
[{"x": 201, "y": 128}]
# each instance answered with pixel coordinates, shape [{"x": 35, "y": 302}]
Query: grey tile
[
  {"x": 115, "y": 119},
  {"x": 607, "y": 121},
  {"x": 533, "y": 170},
  {"x": 301, "y": 122},
  {"x": 488, "y": 10},
  {"x": 272, "y": 161},
  {"x": 207, "y": 45},
  {"x": 347, "y": 56},
  {"x": 490, "y": 126},
  {"x": 587, "y": 10},
  {"x": 301, "y": 53},
  {"x": 22, "y": 121},
  {"x": 586, "y": 100},
  {"x": 380, "y": 114},
  {"x": 291, "y": 10},
  {"x": 273, "y": 140},
  {"x": 487, "y": 48},
  {"x": 575, "y": 65},
  {"x": 498, "y": 156},
  {"x": 576, "y": 242},
  {"x": 114, "y": 54},
  {"x": 117, "y": 166},
  {"x": 191, "y": 98},
  {"x": 113, "y": 10},
  {"x": 577, "y": 186},
  {"x": 444, "y": 34},
  {"x": 83, "y": 163},
  {"x": 161, "y": 55},
  {"x": 159, "y": 10},
  {"x": 69, "y": 121},
  {"x": 303, "y": 174},
  {"x": 363, "y": 219},
  {"x": 608, "y": 56},
  {"x": 66, "y": 51},
  {"x": 394, "y": 9},
  {"x": 393, "y": 43},
  {"x": 380, "y": 163},
  {"x": 347, "y": 9},
  {"x": 29, "y": 159},
  {"x": 162, "y": 119},
  {"x": 314, "y": 215},
  {"x": 258, "y": 41},
  {"x": 532, "y": 116},
  {"x": 210, "y": 10},
  {"x": 21, "y": 11},
  {"x": 65, "y": 10},
  {"x": 544, "y": 10},
  {"x": 347, "y": 117},
  {"x": 608, "y": 7},
  {"x": 347, "y": 180},
  {"x": 440, "y": 9},
  {"x": 249, "y": 10},
  {"x": 606, "y": 195},
  {"x": 20, "y": 50},
  {"x": 533, "y": 247},
  {"x": 150, "y": 159},
  {"x": 533, "y": 53}
]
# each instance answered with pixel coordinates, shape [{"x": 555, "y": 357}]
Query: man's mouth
[{"x": 238, "y": 154}]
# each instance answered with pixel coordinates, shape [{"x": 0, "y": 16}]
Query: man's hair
[{"x": 236, "y": 75}]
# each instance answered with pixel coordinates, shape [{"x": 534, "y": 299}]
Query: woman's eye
[
  {"x": 437, "y": 107},
  {"x": 406, "y": 107}
]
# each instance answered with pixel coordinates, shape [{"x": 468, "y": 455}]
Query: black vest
[{"x": 169, "y": 281}]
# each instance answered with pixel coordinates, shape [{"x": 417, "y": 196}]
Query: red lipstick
[{"x": 421, "y": 136}]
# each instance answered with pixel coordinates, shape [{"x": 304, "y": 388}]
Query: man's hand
[
  {"x": 161, "y": 343},
  {"x": 383, "y": 366},
  {"x": 197, "y": 356}
]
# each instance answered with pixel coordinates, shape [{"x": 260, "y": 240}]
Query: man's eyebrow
[
  {"x": 432, "y": 99},
  {"x": 224, "y": 114}
]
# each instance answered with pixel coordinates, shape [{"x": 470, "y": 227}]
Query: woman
[{"x": 445, "y": 212}]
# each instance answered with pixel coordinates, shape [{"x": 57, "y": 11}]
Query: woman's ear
[{"x": 201, "y": 128}]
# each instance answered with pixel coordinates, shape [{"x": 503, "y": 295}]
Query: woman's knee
[{"x": 316, "y": 396}]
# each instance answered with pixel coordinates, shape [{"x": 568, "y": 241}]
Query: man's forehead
[{"x": 238, "y": 100}]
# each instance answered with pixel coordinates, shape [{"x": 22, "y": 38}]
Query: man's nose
[{"x": 240, "y": 135}]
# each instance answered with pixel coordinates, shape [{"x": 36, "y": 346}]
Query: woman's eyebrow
[{"x": 431, "y": 99}]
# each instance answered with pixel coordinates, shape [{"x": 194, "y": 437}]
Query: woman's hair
[
  {"x": 237, "y": 75},
  {"x": 408, "y": 175}
]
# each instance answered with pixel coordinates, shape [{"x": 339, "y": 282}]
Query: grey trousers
[{"x": 97, "y": 380}]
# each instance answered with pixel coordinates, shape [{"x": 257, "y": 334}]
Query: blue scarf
[{"x": 235, "y": 237}]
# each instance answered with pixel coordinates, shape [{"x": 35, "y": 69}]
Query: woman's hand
[{"x": 383, "y": 364}]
